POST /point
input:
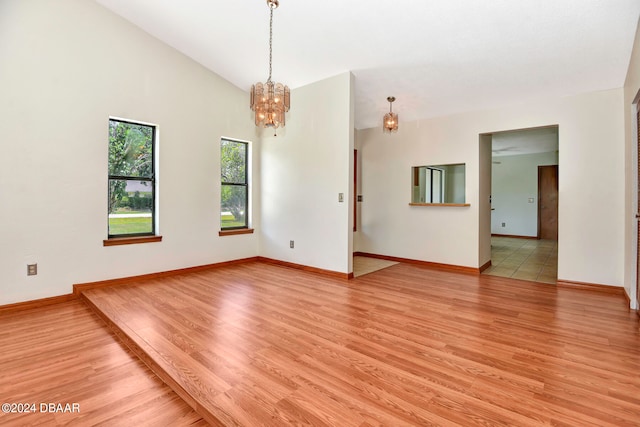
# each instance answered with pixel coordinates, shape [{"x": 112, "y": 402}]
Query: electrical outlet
[
  {"x": 504, "y": 224},
  {"x": 32, "y": 269},
  {"x": 360, "y": 197},
  {"x": 291, "y": 244}
]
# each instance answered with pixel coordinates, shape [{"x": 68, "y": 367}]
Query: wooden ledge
[
  {"x": 513, "y": 236},
  {"x": 458, "y": 205},
  {"x": 236, "y": 231},
  {"x": 149, "y": 356},
  {"x": 116, "y": 241}
]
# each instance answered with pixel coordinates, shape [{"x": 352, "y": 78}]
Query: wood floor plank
[
  {"x": 261, "y": 344},
  {"x": 63, "y": 354}
]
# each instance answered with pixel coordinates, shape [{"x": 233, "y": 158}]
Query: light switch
[
  {"x": 530, "y": 199},
  {"x": 340, "y": 197}
]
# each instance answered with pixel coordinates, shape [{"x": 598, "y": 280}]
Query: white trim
[{"x": 140, "y": 122}]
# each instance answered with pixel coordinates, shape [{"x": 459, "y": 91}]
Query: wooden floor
[
  {"x": 64, "y": 354},
  {"x": 258, "y": 344}
]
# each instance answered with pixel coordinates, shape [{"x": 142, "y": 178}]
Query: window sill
[
  {"x": 234, "y": 232},
  {"x": 116, "y": 241},
  {"x": 460, "y": 205}
]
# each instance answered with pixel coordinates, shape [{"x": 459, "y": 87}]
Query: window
[
  {"x": 234, "y": 201},
  {"x": 131, "y": 179},
  {"x": 443, "y": 184}
]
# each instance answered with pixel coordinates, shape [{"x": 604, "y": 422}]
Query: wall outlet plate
[
  {"x": 340, "y": 197},
  {"x": 291, "y": 244},
  {"x": 32, "y": 269}
]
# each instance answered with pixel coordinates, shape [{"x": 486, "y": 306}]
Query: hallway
[{"x": 525, "y": 259}]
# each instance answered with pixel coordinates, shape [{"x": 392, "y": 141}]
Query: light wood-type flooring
[
  {"x": 257, "y": 344},
  {"x": 64, "y": 354}
]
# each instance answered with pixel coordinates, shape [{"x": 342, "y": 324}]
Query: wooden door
[
  {"x": 355, "y": 190},
  {"x": 548, "y": 202}
]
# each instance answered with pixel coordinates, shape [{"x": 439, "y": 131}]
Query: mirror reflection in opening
[{"x": 438, "y": 184}]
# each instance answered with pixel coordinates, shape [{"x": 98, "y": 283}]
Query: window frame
[
  {"x": 239, "y": 228},
  {"x": 152, "y": 179}
]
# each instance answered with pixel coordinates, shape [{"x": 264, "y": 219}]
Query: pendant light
[
  {"x": 390, "y": 121},
  {"x": 270, "y": 101}
]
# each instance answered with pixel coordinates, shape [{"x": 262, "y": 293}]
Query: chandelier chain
[{"x": 270, "y": 41}]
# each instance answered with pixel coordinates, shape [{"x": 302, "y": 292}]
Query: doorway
[{"x": 524, "y": 203}]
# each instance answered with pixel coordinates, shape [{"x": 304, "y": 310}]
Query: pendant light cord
[{"x": 271, "y": 7}]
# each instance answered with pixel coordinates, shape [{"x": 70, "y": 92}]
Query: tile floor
[
  {"x": 525, "y": 259},
  {"x": 365, "y": 265}
]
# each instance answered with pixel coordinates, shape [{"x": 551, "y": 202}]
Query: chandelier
[
  {"x": 390, "y": 121},
  {"x": 270, "y": 100}
]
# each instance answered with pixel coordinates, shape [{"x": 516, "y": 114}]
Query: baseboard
[
  {"x": 628, "y": 297},
  {"x": 78, "y": 288},
  {"x": 427, "y": 264},
  {"x": 484, "y": 266},
  {"x": 324, "y": 272},
  {"x": 515, "y": 237},
  {"x": 616, "y": 290},
  {"x": 38, "y": 303}
]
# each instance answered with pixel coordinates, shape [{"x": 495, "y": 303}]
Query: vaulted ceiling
[{"x": 436, "y": 57}]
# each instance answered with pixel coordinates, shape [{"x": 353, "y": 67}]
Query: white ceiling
[
  {"x": 436, "y": 57},
  {"x": 525, "y": 141}
]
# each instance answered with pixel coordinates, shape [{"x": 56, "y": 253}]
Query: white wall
[
  {"x": 514, "y": 181},
  {"x": 631, "y": 99},
  {"x": 303, "y": 169},
  {"x": 591, "y": 211},
  {"x": 389, "y": 226},
  {"x": 67, "y": 66}
]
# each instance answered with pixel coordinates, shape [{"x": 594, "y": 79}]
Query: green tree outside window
[{"x": 234, "y": 188}]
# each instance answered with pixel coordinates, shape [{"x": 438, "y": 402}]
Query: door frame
[
  {"x": 635, "y": 118},
  {"x": 484, "y": 206}
]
